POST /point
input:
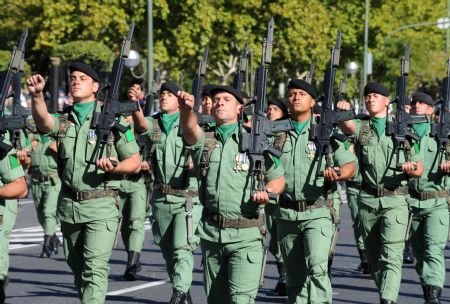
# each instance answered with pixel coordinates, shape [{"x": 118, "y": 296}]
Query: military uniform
[
  {"x": 176, "y": 209},
  {"x": 429, "y": 229},
  {"x": 383, "y": 209},
  {"x": 10, "y": 170},
  {"x": 231, "y": 239},
  {"x": 45, "y": 185},
  {"x": 88, "y": 204},
  {"x": 306, "y": 218}
]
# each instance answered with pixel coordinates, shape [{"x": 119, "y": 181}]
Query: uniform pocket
[
  {"x": 111, "y": 225},
  {"x": 254, "y": 256},
  {"x": 402, "y": 220}
]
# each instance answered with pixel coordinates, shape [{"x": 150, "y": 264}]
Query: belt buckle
[
  {"x": 303, "y": 206},
  {"x": 380, "y": 192},
  {"x": 78, "y": 196},
  {"x": 221, "y": 221},
  {"x": 423, "y": 196}
]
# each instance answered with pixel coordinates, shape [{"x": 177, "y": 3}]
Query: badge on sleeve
[
  {"x": 92, "y": 137},
  {"x": 14, "y": 162}
]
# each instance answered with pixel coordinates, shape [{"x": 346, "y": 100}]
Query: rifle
[
  {"x": 197, "y": 90},
  {"x": 342, "y": 84},
  {"x": 239, "y": 77},
  {"x": 441, "y": 130},
  {"x": 17, "y": 120},
  {"x": 150, "y": 99},
  {"x": 400, "y": 129},
  {"x": 107, "y": 120},
  {"x": 310, "y": 74},
  {"x": 255, "y": 143}
]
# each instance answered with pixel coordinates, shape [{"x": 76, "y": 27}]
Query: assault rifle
[
  {"x": 342, "y": 84},
  {"x": 310, "y": 74},
  {"x": 13, "y": 75},
  {"x": 108, "y": 119},
  {"x": 441, "y": 130},
  {"x": 400, "y": 129},
  {"x": 239, "y": 77},
  {"x": 197, "y": 87},
  {"x": 255, "y": 143},
  {"x": 152, "y": 96}
]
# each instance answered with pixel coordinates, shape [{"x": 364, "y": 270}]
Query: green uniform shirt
[
  {"x": 300, "y": 161},
  {"x": 227, "y": 190},
  {"x": 10, "y": 168},
  {"x": 169, "y": 161},
  {"x": 43, "y": 159},
  {"x": 377, "y": 161},
  {"x": 80, "y": 173},
  {"x": 432, "y": 179}
]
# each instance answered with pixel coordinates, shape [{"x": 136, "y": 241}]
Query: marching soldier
[
  {"x": 229, "y": 230},
  {"x": 88, "y": 202},
  {"x": 175, "y": 204},
  {"x": 383, "y": 209},
  {"x": 306, "y": 213},
  {"x": 428, "y": 202},
  {"x": 45, "y": 185}
]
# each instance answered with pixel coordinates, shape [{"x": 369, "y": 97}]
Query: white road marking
[{"x": 138, "y": 287}]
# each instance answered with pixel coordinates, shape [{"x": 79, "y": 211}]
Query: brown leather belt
[
  {"x": 222, "y": 222},
  {"x": 380, "y": 192},
  {"x": 302, "y": 206},
  {"x": 425, "y": 195},
  {"x": 167, "y": 189},
  {"x": 44, "y": 178},
  {"x": 90, "y": 194}
]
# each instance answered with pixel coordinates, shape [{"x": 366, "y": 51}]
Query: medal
[{"x": 92, "y": 137}]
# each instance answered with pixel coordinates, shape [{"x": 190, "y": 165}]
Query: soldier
[
  {"x": 306, "y": 214},
  {"x": 175, "y": 204},
  {"x": 383, "y": 209},
  {"x": 133, "y": 205},
  {"x": 428, "y": 202},
  {"x": 276, "y": 109},
  {"x": 88, "y": 202},
  {"x": 231, "y": 240},
  {"x": 45, "y": 185},
  {"x": 12, "y": 187},
  {"x": 206, "y": 104}
]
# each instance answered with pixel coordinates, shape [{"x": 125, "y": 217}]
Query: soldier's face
[
  {"x": 299, "y": 101},
  {"x": 82, "y": 87},
  {"x": 376, "y": 104},
  {"x": 274, "y": 112},
  {"x": 421, "y": 108},
  {"x": 168, "y": 102},
  {"x": 225, "y": 108},
  {"x": 206, "y": 105}
]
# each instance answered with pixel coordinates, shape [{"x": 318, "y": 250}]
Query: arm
[
  {"x": 129, "y": 165},
  {"x": 192, "y": 132},
  {"x": 275, "y": 186},
  {"x": 347, "y": 171},
  {"x": 53, "y": 147},
  {"x": 347, "y": 127},
  {"x": 15, "y": 189},
  {"x": 140, "y": 123},
  {"x": 43, "y": 119},
  {"x": 413, "y": 169}
]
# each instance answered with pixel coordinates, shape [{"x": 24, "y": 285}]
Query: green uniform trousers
[
  {"x": 8, "y": 215},
  {"x": 45, "y": 195},
  {"x": 231, "y": 271},
  {"x": 88, "y": 247},
  {"x": 384, "y": 232},
  {"x": 170, "y": 233},
  {"x": 429, "y": 231},
  {"x": 133, "y": 208},
  {"x": 271, "y": 225},
  {"x": 352, "y": 201},
  {"x": 304, "y": 246}
]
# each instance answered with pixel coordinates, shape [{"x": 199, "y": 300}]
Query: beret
[
  {"x": 422, "y": 97},
  {"x": 207, "y": 90},
  {"x": 170, "y": 86},
  {"x": 84, "y": 68},
  {"x": 279, "y": 103},
  {"x": 222, "y": 88},
  {"x": 303, "y": 85},
  {"x": 378, "y": 88}
]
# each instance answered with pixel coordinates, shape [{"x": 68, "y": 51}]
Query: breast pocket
[{"x": 67, "y": 144}]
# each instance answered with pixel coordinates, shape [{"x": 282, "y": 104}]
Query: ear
[
  {"x": 430, "y": 110},
  {"x": 313, "y": 102},
  {"x": 240, "y": 108},
  {"x": 96, "y": 86}
]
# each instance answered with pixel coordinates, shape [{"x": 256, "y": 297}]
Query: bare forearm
[
  {"x": 191, "y": 130},
  {"x": 43, "y": 119},
  {"x": 131, "y": 165},
  {"x": 15, "y": 189},
  {"x": 140, "y": 123},
  {"x": 347, "y": 171},
  {"x": 348, "y": 127},
  {"x": 276, "y": 186}
]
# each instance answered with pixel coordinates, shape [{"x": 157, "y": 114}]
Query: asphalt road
[{"x": 35, "y": 280}]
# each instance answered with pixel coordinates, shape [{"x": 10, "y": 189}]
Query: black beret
[
  {"x": 378, "y": 88},
  {"x": 303, "y": 85},
  {"x": 279, "y": 103},
  {"x": 170, "y": 86},
  {"x": 207, "y": 90},
  {"x": 84, "y": 68},
  {"x": 222, "y": 88},
  {"x": 422, "y": 97}
]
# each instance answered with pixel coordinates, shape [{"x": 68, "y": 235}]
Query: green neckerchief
[
  {"x": 226, "y": 130},
  {"x": 299, "y": 126},
  {"x": 421, "y": 128},
  {"x": 82, "y": 110},
  {"x": 44, "y": 138},
  {"x": 168, "y": 120},
  {"x": 379, "y": 124}
]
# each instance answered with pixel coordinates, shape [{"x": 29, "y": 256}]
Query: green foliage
[{"x": 5, "y": 58}]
